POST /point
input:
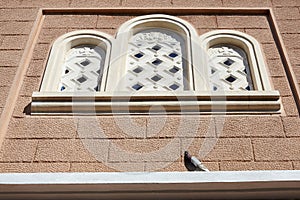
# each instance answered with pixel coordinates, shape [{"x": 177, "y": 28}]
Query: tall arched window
[
  {"x": 235, "y": 62},
  {"x": 77, "y": 63},
  {"x": 155, "y": 55}
]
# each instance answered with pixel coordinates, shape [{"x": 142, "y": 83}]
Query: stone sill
[{"x": 104, "y": 103}]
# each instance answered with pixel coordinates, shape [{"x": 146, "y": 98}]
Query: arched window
[
  {"x": 77, "y": 62},
  {"x": 156, "y": 55},
  {"x": 235, "y": 61}
]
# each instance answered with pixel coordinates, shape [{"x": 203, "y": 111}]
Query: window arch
[
  {"x": 77, "y": 62},
  {"x": 227, "y": 48},
  {"x": 156, "y": 55}
]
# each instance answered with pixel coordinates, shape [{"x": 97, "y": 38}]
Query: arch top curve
[
  {"x": 81, "y": 33},
  {"x": 158, "y": 21},
  {"x": 229, "y": 33}
]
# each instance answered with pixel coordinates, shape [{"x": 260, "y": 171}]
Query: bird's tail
[{"x": 199, "y": 165}]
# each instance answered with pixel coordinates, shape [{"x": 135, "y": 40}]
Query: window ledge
[{"x": 105, "y": 103}]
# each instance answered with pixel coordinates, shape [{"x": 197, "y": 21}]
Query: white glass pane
[
  {"x": 229, "y": 69},
  {"x": 82, "y": 69},
  {"x": 155, "y": 61}
]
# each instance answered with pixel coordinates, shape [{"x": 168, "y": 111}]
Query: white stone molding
[{"x": 189, "y": 102}]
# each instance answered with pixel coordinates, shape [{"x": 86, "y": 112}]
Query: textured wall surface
[{"x": 56, "y": 144}]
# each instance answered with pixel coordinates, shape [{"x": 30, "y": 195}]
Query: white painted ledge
[
  {"x": 152, "y": 185},
  {"x": 188, "y": 102}
]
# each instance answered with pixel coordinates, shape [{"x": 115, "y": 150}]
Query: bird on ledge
[{"x": 193, "y": 164}]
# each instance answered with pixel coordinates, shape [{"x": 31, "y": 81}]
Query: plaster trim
[{"x": 107, "y": 103}]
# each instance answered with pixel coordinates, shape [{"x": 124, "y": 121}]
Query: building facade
[{"x": 123, "y": 121}]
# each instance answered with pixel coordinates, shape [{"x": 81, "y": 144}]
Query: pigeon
[{"x": 193, "y": 164}]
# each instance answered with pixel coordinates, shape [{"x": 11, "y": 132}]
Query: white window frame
[
  {"x": 62, "y": 45},
  {"x": 111, "y": 100},
  {"x": 260, "y": 77}
]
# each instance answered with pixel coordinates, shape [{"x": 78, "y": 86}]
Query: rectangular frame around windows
[{"x": 258, "y": 102}]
